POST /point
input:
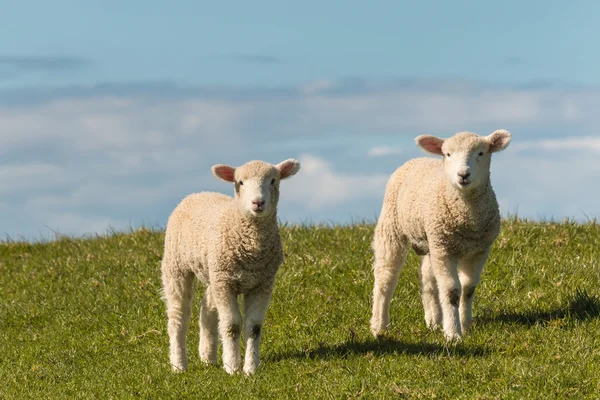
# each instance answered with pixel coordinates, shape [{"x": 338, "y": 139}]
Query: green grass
[{"x": 83, "y": 318}]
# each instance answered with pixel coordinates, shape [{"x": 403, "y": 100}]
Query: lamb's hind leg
[
  {"x": 209, "y": 329},
  {"x": 178, "y": 288},
  {"x": 390, "y": 254},
  {"x": 430, "y": 295}
]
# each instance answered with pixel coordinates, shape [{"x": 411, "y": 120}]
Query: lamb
[
  {"x": 446, "y": 211},
  {"x": 233, "y": 246}
]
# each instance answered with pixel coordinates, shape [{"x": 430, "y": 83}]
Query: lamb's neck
[
  {"x": 257, "y": 229},
  {"x": 474, "y": 207}
]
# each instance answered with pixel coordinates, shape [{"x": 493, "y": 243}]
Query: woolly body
[
  {"x": 430, "y": 214},
  {"x": 206, "y": 230}
]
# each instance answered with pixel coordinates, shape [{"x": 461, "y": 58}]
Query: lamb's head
[
  {"x": 467, "y": 156},
  {"x": 257, "y": 184}
]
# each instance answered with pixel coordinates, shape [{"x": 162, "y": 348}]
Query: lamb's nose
[
  {"x": 464, "y": 174},
  {"x": 258, "y": 202}
]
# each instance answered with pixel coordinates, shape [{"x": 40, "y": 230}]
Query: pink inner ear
[
  {"x": 431, "y": 144},
  {"x": 499, "y": 140},
  {"x": 225, "y": 172},
  {"x": 287, "y": 168},
  {"x": 497, "y": 143}
]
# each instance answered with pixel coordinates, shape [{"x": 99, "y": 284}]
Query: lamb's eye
[
  {"x": 273, "y": 181},
  {"x": 480, "y": 153},
  {"x": 447, "y": 154},
  {"x": 241, "y": 183}
]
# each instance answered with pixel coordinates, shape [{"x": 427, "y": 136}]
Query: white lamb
[
  {"x": 446, "y": 210},
  {"x": 233, "y": 246}
]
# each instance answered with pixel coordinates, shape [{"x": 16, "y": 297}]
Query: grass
[{"x": 83, "y": 318}]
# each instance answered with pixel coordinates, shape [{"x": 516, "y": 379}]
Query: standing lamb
[
  {"x": 446, "y": 210},
  {"x": 233, "y": 246}
]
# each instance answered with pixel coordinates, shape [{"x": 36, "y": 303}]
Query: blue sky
[
  {"x": 274, "y": 42},
  {"x": 111, "y": 112}
]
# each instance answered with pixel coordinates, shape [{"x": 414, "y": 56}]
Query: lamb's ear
[
  {"x": 288, "y": 168},
  {"x": 499, "y": 140},
  {"x": 224, "y": 172},
  {"x": 430, "y": 144}
]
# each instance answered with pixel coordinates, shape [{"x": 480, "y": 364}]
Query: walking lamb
[
  {"x": 446, "y": 210},
  {"x": 233, "y": 246}
]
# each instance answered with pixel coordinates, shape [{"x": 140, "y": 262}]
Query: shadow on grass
[
  {"x": 581, "y": 307},
  {"x": 378, "y": 347}
]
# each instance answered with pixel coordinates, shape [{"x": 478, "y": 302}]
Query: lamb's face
[
  {"x": 467, "y": 156},
  {"x": 257, "y": 184},
  {"x": 466, "y": 161},
  {"x": 257, "y": 189}
]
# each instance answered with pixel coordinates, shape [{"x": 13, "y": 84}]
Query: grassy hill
[{"x": 83, "y": 318}]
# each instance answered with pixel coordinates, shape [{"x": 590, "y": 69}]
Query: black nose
[
  {"x": 259, "y": 203},
  {"x": 464, "y": 175}
]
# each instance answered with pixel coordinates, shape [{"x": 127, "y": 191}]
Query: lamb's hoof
[
  {"x": 453, "y": 338},
  {"x": 232, "y": 371},
  {"x": 379, "y": 333},
  {"x": 434, "y": 326},
  {"x": 378, "y": 329},
  {"x": 178, "y": 369},
  {"x": 249, "y": 371},
  {"x": 208, "y": 361}
]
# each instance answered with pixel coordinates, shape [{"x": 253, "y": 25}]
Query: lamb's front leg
[
  {"x": 446, "y": 274},
  {"x": 255, "y": 308},
  {"x": 469, "y": 271},
  {"x": 230, "y": 323}
]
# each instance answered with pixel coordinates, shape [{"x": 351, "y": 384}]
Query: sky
[{"x": 111, "y": 112}]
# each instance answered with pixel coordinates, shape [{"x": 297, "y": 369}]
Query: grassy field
[{"x": 83, "y": 318}]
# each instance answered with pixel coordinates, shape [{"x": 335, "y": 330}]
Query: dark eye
[
  {"x": 447, "y": 154},
  {"x": 273, "y": 181},
  {"x": 241, "y": 183},
  {"x": 480, "y": 153}
]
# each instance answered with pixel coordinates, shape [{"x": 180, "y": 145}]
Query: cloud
[
  {"x": 540, "y": 185},
  {"x": 316, "y": 87},
  {"x": 319, "y": 185},
  {"x": 350, "y": 107},
  {"x": 382, "y": 151},
  {"x": 586, "y": 143},
  {"x": 123, "y": 154}
]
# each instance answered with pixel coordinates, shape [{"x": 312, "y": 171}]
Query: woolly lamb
[
  {"x": 233, "y": 246},
  {"x": 446, "y": 210}
]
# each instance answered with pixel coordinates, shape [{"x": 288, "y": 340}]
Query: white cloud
[
  {"x": 87, "y": 159},
  {"x": 582, "y": 143},
  {"x": 316, "y": 86},
  {"x": 539, "y": 185},
  {"x": 381, "y": 151},
  {"x": 318, "y": 185}
]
